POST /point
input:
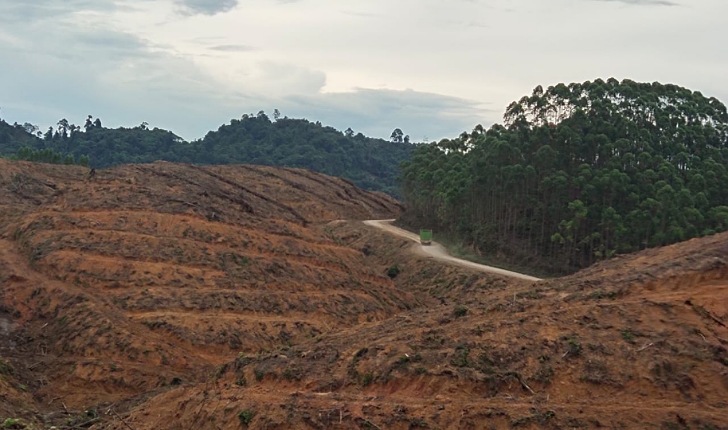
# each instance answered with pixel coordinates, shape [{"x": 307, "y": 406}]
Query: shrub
[
  {"x": 460, "y": 311},
  {"x": 628, "y": 335},
  {"x": 246, "y": 416},
  {"x": 574, "y": 348},
  {"x": 5, "y": 368}
]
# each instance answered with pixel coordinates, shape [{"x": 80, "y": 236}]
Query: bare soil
[{"x": 168, "y": 296}]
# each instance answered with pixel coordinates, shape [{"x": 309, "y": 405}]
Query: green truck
[{"x": 425, "y": 236}]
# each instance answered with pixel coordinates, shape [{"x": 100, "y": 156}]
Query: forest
[
  {"x": 253, "y": 139},
  {"x": 578, "y": 173}
]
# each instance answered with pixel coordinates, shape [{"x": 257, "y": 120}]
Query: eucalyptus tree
[{"x": 579, "y": 172}]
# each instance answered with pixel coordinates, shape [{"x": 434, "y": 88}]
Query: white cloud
[
  {"x": 348, "y": 65},
  {"x": 645, "y": 2},
  {"x": 207, "y": 7}
]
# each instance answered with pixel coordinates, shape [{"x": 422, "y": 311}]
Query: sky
[{"x": 433, "y": 68}]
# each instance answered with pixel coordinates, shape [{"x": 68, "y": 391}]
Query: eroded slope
[
  {"x": 141, "y": 277},
  {"x": 637, "y": 342}
]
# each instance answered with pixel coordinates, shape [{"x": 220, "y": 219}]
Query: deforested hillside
[
  {"x": 122, "y": 281},
  {"x": 173, "y": 296},
  {"x": 636, "y": 343}
]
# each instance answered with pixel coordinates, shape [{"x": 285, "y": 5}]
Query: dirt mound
[{"x": 178, "y": 297}]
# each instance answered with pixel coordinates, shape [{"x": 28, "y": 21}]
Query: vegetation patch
[
  {"x": 460, "y": 311},
  {"x": 5, "y": 368},
  {"x": 246, "y": 416}
]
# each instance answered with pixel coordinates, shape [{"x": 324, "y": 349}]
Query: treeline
[
  {"x": 578, "y": 173},
  {"x": 13, "y": 137},
  {"x": 49, "y": 156},
  {"x": 254, "y": 139}
]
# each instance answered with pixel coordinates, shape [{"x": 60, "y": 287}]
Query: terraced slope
[
  {"x": 145, "y": 276},
  {"x": 638, "y": 342},
  {"x": 178, "y": 297}
]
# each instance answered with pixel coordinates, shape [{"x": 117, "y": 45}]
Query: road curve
[{"x": 438, "y": 252}]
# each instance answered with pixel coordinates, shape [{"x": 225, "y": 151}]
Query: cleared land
[{"x": 179, "y": 297}]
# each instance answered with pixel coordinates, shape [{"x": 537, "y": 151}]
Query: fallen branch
[
  {"x": 526, "y": 386},
  {"x": 522, "y": 382},
  {"x": 371, "y": 424},
  {"x": 645, "y": 347},
  {"x": 83, "y": 424},
  {"x": 113, "y": 412}
]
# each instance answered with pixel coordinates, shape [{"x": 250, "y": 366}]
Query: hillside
[
  {"x": 372, "y": 164},
  {"x": 174, "y": 296},
  {"x": 149, "y": 274},
  {"x": 14, "y": 137},
  {"x": 635, "y": 343}
]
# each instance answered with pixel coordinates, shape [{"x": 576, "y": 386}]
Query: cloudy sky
[{"x": 431, "y": 67}]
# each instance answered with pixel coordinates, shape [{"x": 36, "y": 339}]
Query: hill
[
  {"x": 370, "y": 163},
  {"x": 146, "y": 275},
  {"x": 176, "y": 296},
  {"x": 637, "y": 342},
  {"x": 13, "y": 137}
]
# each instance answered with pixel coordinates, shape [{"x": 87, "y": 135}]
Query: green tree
[{"x": 578, "y": 173}]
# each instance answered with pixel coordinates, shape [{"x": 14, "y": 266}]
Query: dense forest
[
  {"x": 373, "y": 164},
  {"x": 578, "y": 173},
  {"x": 255, "y": 139},
  {"x": 13, "y": 137}
]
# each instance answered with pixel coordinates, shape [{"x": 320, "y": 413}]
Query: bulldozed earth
[{"x": 167, "y": 296}]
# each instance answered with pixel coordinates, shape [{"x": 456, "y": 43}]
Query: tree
[
  {"x": 63, "y": 127},
  {"x": 578, "y": 173},
  {"x": 349, "y": 132},
  {"x": 88, "y": 124},
  {"x": 30, "y": 128},
  {"x": 276, "y": 114},
  {"x": 397, "y": 136}
]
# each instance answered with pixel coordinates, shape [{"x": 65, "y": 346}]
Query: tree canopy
[
  {"x": 370, "y": 163},
  {"x": 256, "y": 139},
  {"x": 578, "y": 173}
]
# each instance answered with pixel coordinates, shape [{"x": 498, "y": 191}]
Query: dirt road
[{"x": 439, "y": 252}]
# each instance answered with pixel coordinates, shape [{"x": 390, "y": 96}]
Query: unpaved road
[{"x": 438, "y": 252}]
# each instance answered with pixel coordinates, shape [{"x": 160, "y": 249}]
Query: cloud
[
  {"x": 43, "y": 9},
  {"x": 128, "y": 61},
  {"x": 644, "y": 2},
  {"x": 232, "y": 48},
  {"x": 207, "y": 7},
  {"x": 74, "y": 68},
  {"x": 376, "y": 112}
]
